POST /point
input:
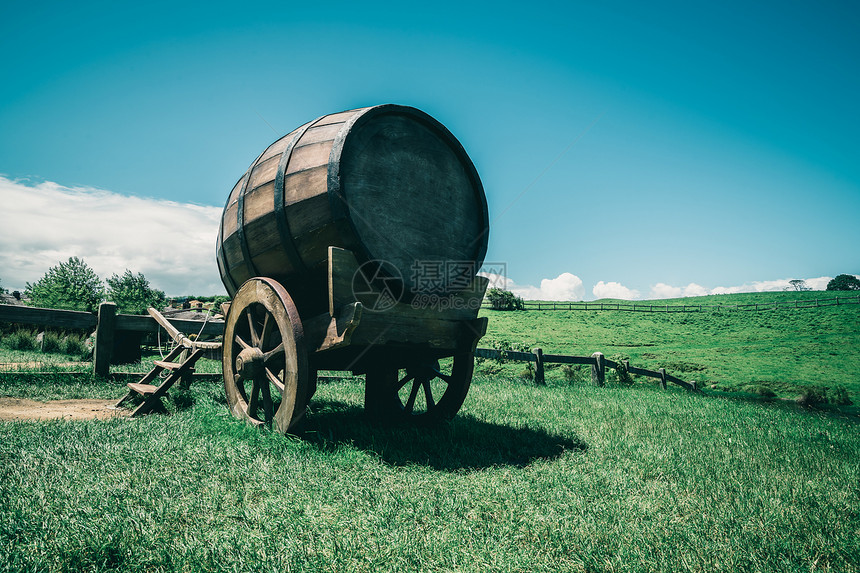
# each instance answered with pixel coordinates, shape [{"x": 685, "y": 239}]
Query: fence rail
[
  {"x": 597, "y": 361},
  {"x": 633, "y": 307},
  {"x": 107, "y": 323}
]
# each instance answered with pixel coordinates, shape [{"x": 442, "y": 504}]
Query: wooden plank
[
  {"x": 234, "y": 194},
  {"x": 644, "y": 372},
  {"x": 47, "y": 317},
  {"x": 196, "y": 376},
  {"x": 678, "y": 381},
  {"x": 273, "y": 263},
  {"x": 304, "y": 184},
  {"x": 259, "y": 201},
  {"x": 598, "y": 370},
  {"x": 434, "y": 334},
  {"x": 338, "y": 117},
  {"x": 309, "y": 214},
  {"x": 325, "y": 332},
  {"x": 142, "y": 389},
  {"x": 230, "y": 221},
  {"x": 540, "y": 379},
  {"x": 562, "y": 359},
  {"x": 167, "y": 365},
  {"x": 277, "y": 148},
  {"x": 104, "y": 338},
  {"x": 138, "y": 323},
  {"x": 262, "y": 235},
  {"x": 263, "y": 173},
  {"x": 342, "y": 266},
  {"x": 308, "y": 156},
  {"x": 321, "y": 132},
  {"x": 490, "y": 353}
]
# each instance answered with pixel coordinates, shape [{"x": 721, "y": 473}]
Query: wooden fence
[
  {"x": 107, "y": 324},
  {"x": 633, "y": 307},
  {"x": 598, "y": 362}
]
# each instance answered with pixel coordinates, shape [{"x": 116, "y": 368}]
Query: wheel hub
[{"x": 249, "y": 363}]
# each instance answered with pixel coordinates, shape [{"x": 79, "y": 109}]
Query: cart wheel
[
  {"x": 424, "y": 393},
  {"x": 264, "y": 348}
]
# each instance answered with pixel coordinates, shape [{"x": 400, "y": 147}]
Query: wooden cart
[
  {"x": 271, "y": 355},
  {"x": 380, "y": 185}
]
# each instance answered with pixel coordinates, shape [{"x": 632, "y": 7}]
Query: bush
[
  {"x": 838, "y": 395},
  {"x": 51, "y": 342},
  {"x": 74, "y": 346},
  {"x": 21, "y": 339},
  {"x": 572, "y": 373},
  {"x": 763, "y": 391},
  {"x": 812, "y": 395},
  {"x": 622, "y": 375},
  {"x": 504, "y": 300}
]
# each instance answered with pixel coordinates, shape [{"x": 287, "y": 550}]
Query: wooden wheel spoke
[
  {"x": 274, "y": 353},
  {"x": 428, "y": 393},
  {"x": 410, "y": 404},
  {"x": 268, "y": 409},
  {"x": 255, "y": 337},
  {"x": 267, "y": 329},
  {"x": 446, "y": 377},
  {"x": 241, "y": 342},
  {"x": 274, "y": 380},
  {"x": 254, "y": 400},
  {"x": 403, "y": 382}
]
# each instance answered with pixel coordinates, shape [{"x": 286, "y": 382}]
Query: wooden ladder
[{"x": 180, "y": 363}]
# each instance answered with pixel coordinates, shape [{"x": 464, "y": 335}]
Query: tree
[
  {"x": 501, "y": 299},
  {"x": 844, "y": 282},
  {"x": 799, "y": 284},
  {"x": 132, "y": 293},
  {"x": 71, "y": 285}
]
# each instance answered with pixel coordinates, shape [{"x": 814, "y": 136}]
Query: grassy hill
[
  {"x": 563, "y": 477},
  {"x": 785, "y": 350}
]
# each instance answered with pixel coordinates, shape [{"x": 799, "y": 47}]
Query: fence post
[
  {"x": 104, "y": 339},
  {"x": 539, "y": 373},
  {"x": 598, "y": 369},
  {"x": 662, "y": 372}
]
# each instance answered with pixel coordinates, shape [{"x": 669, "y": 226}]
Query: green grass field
[
  {"x": 566, "y": 477},
  {"x": 785, "y": 351}
]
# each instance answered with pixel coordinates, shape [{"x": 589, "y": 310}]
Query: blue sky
[{"x": 627, "y": 144}]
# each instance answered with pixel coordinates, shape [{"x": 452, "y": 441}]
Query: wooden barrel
[{"x": 387, "y": 182}]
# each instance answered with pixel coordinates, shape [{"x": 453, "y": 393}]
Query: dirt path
[
  {"x": 29, "y": 366},
  {"x": 21, "y": 409}
]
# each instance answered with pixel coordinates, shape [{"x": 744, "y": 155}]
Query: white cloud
[
  {"x": 172, "y": 244},
  {"x": 662, "y": 290},
  {"x": 565, "y": 286},
  {"x": 614, "y": 290},
  {"x": 817, "y": 283}
]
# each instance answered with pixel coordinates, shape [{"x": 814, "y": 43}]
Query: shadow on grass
[{"x": 465, "y": 443}]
